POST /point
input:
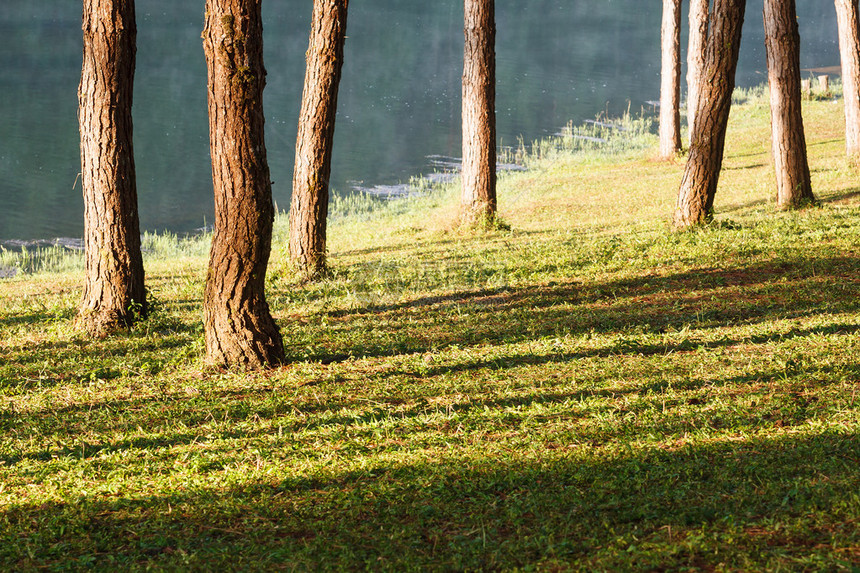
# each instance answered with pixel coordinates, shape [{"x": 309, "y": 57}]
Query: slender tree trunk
[
  {"x": 315, "y": 137},
  {"x": 114, "y": 293},
  {"x": 849, "y": 49},
  {"x": 478, "y": 205},
  {"x": 782, "y": 40},
  {"x": 698, "y": 41},
  {"x": 238, "y": 327},
  {"x": 670, "y": 85},
  {"x": 702, "y": 173}
]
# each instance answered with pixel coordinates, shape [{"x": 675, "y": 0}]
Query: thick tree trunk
[
  {"x": 114, "y": 293},
  {"x": 848, "y": 21},
  {"x": 670, "y": 84},
  {"x": 702, "y": 173},
  {"x": 239, "y": 329},
  {"x": 478, "y": 205},
  {"x": 782, "y": 40},
  {"x": 698, "y": 41},
  {"x": 309, "y": 205}
]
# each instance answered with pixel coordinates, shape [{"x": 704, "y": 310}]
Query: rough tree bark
[
  {"x": 848, "y": 21},
  {"x": 698, "y": 40},
  {"x": 782, "y": 40},
  {"x": 478, "y": 204},
  {"x": 114, "y": 293},
  {"x": 309, "y": 204},
  {"x": 702, "y": 172},
  {"x": 670, "y": 80},
  {"x": 239, "y": 329}
]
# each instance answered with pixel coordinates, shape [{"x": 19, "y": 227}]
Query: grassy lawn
[{"x": 585, "y": 390}]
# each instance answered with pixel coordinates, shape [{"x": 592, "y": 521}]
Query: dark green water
[{"x": 558, "y": 60}]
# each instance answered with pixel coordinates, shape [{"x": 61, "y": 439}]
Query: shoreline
[
  {"x": 590, "y": 133},
  {"x": 603, "y": 136}
]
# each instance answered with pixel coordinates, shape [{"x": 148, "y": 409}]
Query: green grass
[{"x": 585, "y": 391}]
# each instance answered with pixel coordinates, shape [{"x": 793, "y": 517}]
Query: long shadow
[
  {"x": 741, "y": 155},
  {"x": 824, "y": 142},
  {"x": 69, "y": 354},
  {"x": 744, "y": 167},
  {"x": 630, "y": 347},
  {"x": 741, "y": 206},
  {"x": 62, "y": 351},
  {"x": 44, "y": 317},
  {"x": 707, "y": 298},
  {"x": 33, "y": 318},
  {"x": 424, "y": 301},
  {"x": 62, "y": 424},
  {"x": 428, "y": 244},
  {"x": 846, "y": 195},
  {"x": 554, "y": 293},
  {"x": 761, "y": 504},
  {"x": 305, "y": 416}
]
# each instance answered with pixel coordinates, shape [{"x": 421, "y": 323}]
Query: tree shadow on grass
[
  {"x": 708, "y": 298},
  {"x": 272, "y": 417},
  {"x": 77, "y": 358},
  {"x": 842, "y": 197},
  {"x": 53, "y": 361},
  {"x": 788, "y": 502},
  {"x": 34, "y": 318},
  {"x": 734, "y": 207},
  {"x": 744, "y": 167},
  {"x": 632, "y": 347}
]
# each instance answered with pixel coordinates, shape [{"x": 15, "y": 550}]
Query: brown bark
[
  {"x": 478, "y": 204},
  {"x": 239, "y": 329},
  {"x": 848, "y": 21},
  {"x": 698, "y": 41},
  {"x": 670, "y": 84},
  {"x": 114, "y": 293},
  {"x": 702, "y": 172},
  {"x": 782, "y": 40},
  {"x": 309, "y": 204}
]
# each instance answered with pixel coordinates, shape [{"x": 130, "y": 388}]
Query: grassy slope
[{"x": 587, "y": 390}]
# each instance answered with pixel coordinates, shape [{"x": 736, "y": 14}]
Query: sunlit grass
[{"x": 587, "y": 390}]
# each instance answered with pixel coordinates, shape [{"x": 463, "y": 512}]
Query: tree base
[
  {"x": 680, "y": 222},
  {"x": 310, "y": 270},
  {"x": 101, "y": 324},
  {"x": 251, "y": 341},
  {"x": 797, "y": 204},
  {"x": 479, "y": 217}
]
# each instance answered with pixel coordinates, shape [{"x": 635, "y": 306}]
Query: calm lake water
[{"x": 558, "y": 60}]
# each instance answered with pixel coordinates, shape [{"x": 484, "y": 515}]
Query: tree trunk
[
  {"x": 114, "y": 293},
  {"x": 670, "y": 84},
  {"x": 782, "y": 41},
  {"x": 309, "y": 204},
  {"x": 238, "y": 327},
  {"x": 696, "y": 57},
  {"x": 702, "y": 172},
  {"x": 478, "y": 205},
  {"x": 849, "y": 50}
]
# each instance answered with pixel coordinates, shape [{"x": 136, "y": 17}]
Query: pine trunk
[
  {"x": 670, "y": 84},
  {"x": 478, "y": 205},
  {"x": 702, "y": 172},
  {"x": 849, "y": 50},
  {"x": 309, "y": 204},
  {"x": 114, "y": 293},
  {"x": 696, "y": 56},
  {"x": 782, "y": 41},
  {"x": 239, "y": 329}
]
